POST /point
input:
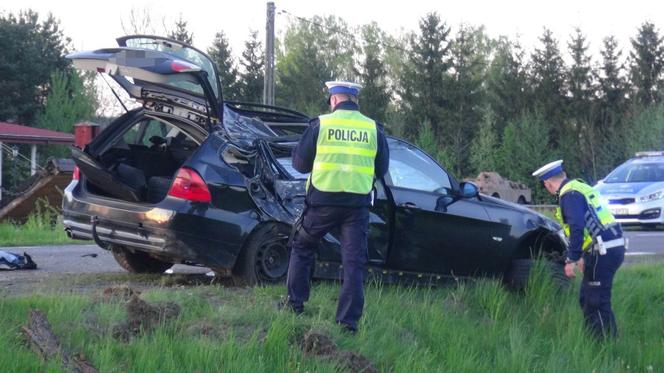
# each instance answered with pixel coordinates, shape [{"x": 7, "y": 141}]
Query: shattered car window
[{"x": 411, "y": 168}]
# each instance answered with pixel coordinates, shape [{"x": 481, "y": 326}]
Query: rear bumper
[{"x": 174, "y": 229}]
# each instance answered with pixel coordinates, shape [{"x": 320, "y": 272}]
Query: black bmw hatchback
[{"x": 188, "y": 178}]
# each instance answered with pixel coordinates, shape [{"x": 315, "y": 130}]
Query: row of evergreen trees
[
  {"x": 476, "y": 102},
  {"x": 473, "y": 101},
  {"x": 480, "y": 103}
]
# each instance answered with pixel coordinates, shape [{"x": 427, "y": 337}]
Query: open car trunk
[{"x": 138, "y": 163}]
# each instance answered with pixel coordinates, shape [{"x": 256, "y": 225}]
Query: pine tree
[
  {"x": 423, "y": 80},
  {"x": 253, "y": 63},
  {"x": 580, "y": 121},
  {"x": 647, "y": 62},
  {"x": 221, "y": 55},
  {"x": 526, "y": 147},
  {"x": 612, "y": 104},
  {"x": 310, "y": 54},
  {"x": 465, "y": 93},
  {"x": 579, "y": 78},
  {"x": 484, "y": 149},
  {"x": 181, "y": 33},
  {"x": 507, "y": 92},
  {"x": 547, "y": 76},
  {"x": 31, "y": 51},
  {"x": 375, "y": 97}
]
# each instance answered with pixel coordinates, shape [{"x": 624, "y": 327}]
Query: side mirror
[{"x": 468, "y": 190}]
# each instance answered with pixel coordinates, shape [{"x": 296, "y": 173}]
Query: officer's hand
[
  {"x": 569, "y": 270},
  {"x": 582, "y": 265}
]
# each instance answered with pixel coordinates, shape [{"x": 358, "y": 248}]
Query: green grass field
[
  {"x": 473, "y": 326},
  {"x": 38, "y": 230}
]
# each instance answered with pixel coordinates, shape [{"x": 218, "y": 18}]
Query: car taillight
[
  {"x": 76, "y": 174},
  {"x": 189, "y": 185}
]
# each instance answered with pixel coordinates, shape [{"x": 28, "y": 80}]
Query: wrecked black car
[{"x": 188, "y": 178}]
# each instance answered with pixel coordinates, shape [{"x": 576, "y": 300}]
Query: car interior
[{"x": 144, "y": 159}]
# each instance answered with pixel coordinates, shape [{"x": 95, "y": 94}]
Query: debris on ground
[
  {"x": 117, "y": 293},
  {"x": 91, "y": 255},
  {"x": 143, "y": 317},
  {"x": 46, "y": 344},
  {"x": 14, "y": 261},
  {"x": 318, "y": 344}
]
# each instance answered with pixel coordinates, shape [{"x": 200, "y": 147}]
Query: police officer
[
  {"x": 344, "y": 151},
  {"x": 596, "y": 244}
]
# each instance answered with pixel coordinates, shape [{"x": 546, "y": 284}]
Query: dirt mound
[
  {"x": 143, "y": 317},
  {"x": 118, "y": 293},
  {"x": 318, "y": 344}
]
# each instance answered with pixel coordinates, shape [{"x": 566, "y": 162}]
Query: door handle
[{"x": 409, "y": 205}]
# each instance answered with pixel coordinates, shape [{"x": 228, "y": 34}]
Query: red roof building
[{"x": 19, "y": 134}]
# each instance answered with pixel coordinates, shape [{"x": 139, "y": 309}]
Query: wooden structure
[{"x": 47, "y": 184}]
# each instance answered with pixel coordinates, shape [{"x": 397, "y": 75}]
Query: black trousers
[
  {"x": 317, "y": 221},
  {"x": 595, "y": 295}
]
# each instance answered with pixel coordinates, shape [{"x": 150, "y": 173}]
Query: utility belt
[{"x": 602, "y": 246}]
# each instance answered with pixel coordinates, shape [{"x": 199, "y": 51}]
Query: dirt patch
[
  {"x": 116, "y": 293},
  {"x": 142, "y": 317},
  {"x": 318, "y": 344}
]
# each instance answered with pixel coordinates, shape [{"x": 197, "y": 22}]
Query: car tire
[
  {"x": 138, "y": 261},
  {"x": 264, "y": 258},
  {"x": 517, "y": 276},
  {"x": 522, "y": 200}
]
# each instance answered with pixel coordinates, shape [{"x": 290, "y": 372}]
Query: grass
[
  {"x": 466, "y": 327},
  {"x": 41, "y": 228}
]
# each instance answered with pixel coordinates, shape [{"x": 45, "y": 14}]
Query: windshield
[
  {"x": 186, "y": 53},
  {"x": 637, "y": 173}
]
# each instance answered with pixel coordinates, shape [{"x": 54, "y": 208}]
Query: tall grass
[
  {"x": 467, "y": 327},
  {"x": 43, "y": 227}
]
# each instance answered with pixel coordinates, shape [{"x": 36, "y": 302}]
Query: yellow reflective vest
[
  {"x": 598, "y": 217},
  {"x": 345, "y": 153}
]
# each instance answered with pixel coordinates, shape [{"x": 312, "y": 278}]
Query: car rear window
[{"x": 637, "y": 173}]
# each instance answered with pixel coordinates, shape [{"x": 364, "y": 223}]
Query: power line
[{"x": 10, "y": 151}]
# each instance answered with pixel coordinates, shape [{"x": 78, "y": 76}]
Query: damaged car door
[{"x": 437, "y": 229}]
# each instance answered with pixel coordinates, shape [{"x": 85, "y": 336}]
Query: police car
[{"x": 634, "y": 191}]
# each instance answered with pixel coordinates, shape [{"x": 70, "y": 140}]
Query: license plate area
[{"x": 620, "y": 211}]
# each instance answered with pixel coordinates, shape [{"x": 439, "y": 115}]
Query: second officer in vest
[
  {"x": 596, "y": 244},
  {"x": 345, "y": 152}
]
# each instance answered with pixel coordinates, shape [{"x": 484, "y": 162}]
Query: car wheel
[
  {"x": 495, "y": 195},
  {"x": 264, "y": 259},
  {"x": 138, "y": 261},
  {"x": 521, "y": 200},
  {"x": 517, "y": 276}
]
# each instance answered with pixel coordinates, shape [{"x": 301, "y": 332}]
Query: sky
[{"x": 95, "y": 24}]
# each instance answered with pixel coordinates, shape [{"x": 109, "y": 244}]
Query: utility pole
[{"x": 268, "y": 82}]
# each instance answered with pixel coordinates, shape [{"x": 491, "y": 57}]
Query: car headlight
[{"x": 653, "y": 196}]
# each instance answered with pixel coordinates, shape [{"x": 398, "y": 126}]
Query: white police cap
[
  {"x": 549, "y": 169},
  {"x": 341, "y": 87}
]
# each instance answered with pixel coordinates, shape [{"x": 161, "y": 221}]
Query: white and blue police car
[{"x": 634, "y": 191}]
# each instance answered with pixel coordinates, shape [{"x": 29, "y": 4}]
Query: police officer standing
[
  {"x": 596, "y": 244},
  {"x": 345, "y": 152}
]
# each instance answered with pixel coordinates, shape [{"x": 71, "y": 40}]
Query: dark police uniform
[
  {"x": 349, "y": 211},
  {"x": 600, "y": 267}
]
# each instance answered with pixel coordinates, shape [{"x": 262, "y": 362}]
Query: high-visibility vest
[
  {"x": 598, "y": 217},
  {"x": 345, "y": 153}
]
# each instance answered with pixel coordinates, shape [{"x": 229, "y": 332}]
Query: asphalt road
[{"x": 55, "y": 261}]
